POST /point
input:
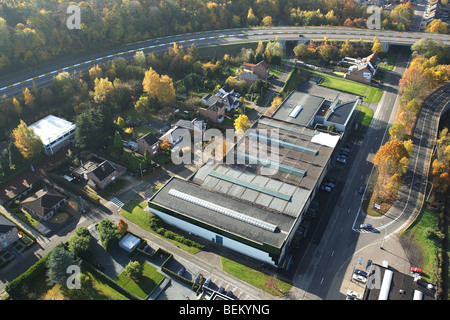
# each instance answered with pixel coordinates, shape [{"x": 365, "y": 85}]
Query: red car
[{"x": 416, "y": 270}]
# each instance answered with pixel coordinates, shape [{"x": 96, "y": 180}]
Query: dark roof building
[{"x": 43, "y": 203}]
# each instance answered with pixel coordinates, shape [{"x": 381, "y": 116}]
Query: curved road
[{"x": 44, "y": 76}]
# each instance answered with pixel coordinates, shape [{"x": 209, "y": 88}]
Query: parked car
[
  {"x": 330, "y": 179},
  {"x": 325, "y": 188},
  {"x": 329, "y": 184},
  {"x": 341, "y": 159},
  {"x": 365, "y": 226},
  {"x": 416, "y": 270},
  {"x": 354, "y": 294},
  {"x": 198, "y": 278},
  {"x": 360, "y": 272},
  {"x": 181, "y": 272},
  {"x": 221, "y": 290},
  {"x": 369, "y": 265},
  {"x": 344, "y": 153},
  {"x": 359, "y": 278},
  {"x": 207, "y": 282},
  {"x": 301, "y": 36}
]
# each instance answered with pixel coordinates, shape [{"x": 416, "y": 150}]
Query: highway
[
  {"x": 336, "y": 236},
  {"x": 42, "y": 77}
]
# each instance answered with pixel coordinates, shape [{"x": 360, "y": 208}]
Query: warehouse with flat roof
[{"x": 242, "y": 205}]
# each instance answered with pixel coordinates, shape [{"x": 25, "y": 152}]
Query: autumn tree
[
  {"x": 159, "y": 87},
  {"x": 102, "y": 87},
  {"x": 388, "y": 157},
  {"x": 377, "y": 47},
  {"x": 398, "y": 131},
  {"x": 17, "y": 106},
  {"x": 437, "y": 26},
  {"x": 28, "y": 97},
  {"x": 26, "y": 140},
  {"x": 242, "y": 124},
  {"x": 122, "y": 226}
]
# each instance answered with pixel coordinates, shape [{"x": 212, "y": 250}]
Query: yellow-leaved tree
[
  {"x": 26, "y": 140},
  {"x": 159, "y": 87}
]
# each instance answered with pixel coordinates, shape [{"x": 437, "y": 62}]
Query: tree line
[
  {"x": 32, "y": 32},
  {"x": 429, "y": 69}
]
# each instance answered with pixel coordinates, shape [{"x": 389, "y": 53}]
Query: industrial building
[{"x": 243, "y": 205}]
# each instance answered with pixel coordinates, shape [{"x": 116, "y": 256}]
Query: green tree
[
  {"x": 118, "y": 143},
  {"x": 16, "y": 159},
  {"x": 58, "y": 263},
  {"x": 109, "y": 234},
  {"x": 134, "y": 269},
  {"x": 80, "y": 243}
]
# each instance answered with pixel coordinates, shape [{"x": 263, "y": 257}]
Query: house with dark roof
[
  {"x": 99, "y": 173},
  {"x": 44, "y": 203},
  {"x": 148, "y": 142},
  {"x": 218, "y": 104},
  {"x": 8, "y": 232}
]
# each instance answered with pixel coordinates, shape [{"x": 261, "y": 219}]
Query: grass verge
[
  {"x": 256, "y": 278},
  {"x": 428, "y": 245}
]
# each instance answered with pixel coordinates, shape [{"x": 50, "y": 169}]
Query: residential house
[
  {"x": 99, "y": 173},
  {"x": 148, "y": 142},
  {"x": 364, "y": 70},
  {"x": 215, "y": 112},
  {"x": 183, "y": 129},
  {"x": 261, "y": 69},
  {"x": 44, "y": 203},
  {"x": 8, "y": 232},
  {"x": 248, "y": 77}
]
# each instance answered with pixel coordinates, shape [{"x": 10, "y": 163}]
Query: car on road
[
  {"x": 359, "y": 278},
  {"x": 300, "y": 35},
  {"x": 361, "y": 190},
  {"x": 354, "y": 294},
  {"x": 325, "y": 188},
  {"x": 365, "y": 226},
  {"x": 416, "y": 270},
  {"x": 360, "y": 272}
]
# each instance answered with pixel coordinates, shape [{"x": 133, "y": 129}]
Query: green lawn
[
  {"x": 256, "y": 278},
  {"x": 428, "y": 247},
  {"x": 143, "y": 286},
  {"x": 353, "y": 87},
  {"x": 365, "y": 116}
]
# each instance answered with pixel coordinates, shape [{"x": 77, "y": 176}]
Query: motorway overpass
[{"x": 42, "y": 77}]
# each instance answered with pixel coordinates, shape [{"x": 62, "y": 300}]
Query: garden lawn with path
[{"x": 145, "y": 284}]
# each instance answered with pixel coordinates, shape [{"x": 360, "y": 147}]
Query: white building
[{"x": 55, "y": 133}]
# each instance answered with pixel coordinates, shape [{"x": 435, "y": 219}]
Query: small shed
[{"x": 129, "y": 242}]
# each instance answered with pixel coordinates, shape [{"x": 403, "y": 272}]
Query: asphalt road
[
  {"x": 43, "y": 76},
  {"x": 337, "y": 235}
]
